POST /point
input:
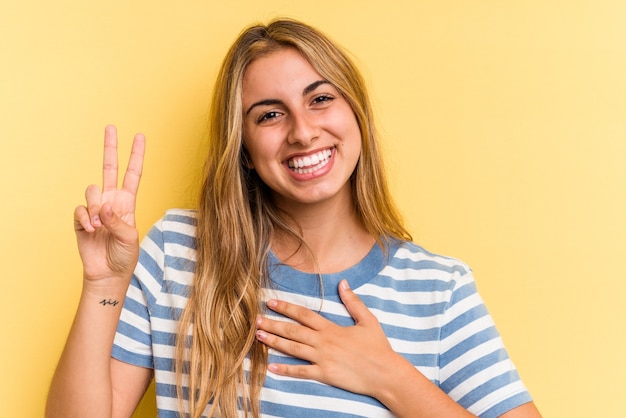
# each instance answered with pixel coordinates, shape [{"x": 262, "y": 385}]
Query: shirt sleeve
[
  {"x": 133, "y": 339},
  {"x": 475, "y": 368}
]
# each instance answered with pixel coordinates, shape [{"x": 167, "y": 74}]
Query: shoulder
[
  {"x": 179, "y": 220},
  {"x": 412, "y": 269},
  {"x": 177, "y": 226},
  {"x": 167, "y": 259},
  {"x": 170, "y": 243},
  {"x": 409, "y": 255}
]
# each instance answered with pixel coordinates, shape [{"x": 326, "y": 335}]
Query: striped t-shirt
[{"x": 427, "y": 305}]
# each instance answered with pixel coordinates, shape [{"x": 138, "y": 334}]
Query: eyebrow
[{"x": 269, "y": 102}]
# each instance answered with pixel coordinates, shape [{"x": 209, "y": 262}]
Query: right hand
[{"x": 108, "y": 240}]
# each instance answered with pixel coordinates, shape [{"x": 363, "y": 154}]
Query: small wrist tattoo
[{"x": 111, "y": 302}]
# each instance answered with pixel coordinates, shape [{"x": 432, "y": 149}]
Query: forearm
[
  {"x": 408, "y": 393},
  {"x": 82, "y": 382}
]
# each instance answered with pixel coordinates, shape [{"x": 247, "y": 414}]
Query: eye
[
  {"x": 322, "y": 98},
  {"x": 268, "y": 116}
]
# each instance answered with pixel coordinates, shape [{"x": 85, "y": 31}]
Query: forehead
[{"x": 279, "y": 72}]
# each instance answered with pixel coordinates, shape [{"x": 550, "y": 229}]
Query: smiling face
[{"x": 300, "y": 133}]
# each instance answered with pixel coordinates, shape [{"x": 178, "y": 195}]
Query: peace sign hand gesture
[{"x": 108, "y": 241}]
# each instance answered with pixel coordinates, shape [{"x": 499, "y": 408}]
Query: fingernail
[
  {"x": 272, "y": 367},
  {"x": 345, "y": 285},
  {"x": 261, "y": 335},
  {"x": 272, "y": 303},
  {"x": 95, "y": 221},
  {"x": 259, "y": 320}
]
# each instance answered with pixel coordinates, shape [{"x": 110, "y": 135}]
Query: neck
[{"x": 334, "y": 236}]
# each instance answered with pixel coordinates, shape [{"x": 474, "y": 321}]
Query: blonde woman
[{"x": 294, "y": 288}]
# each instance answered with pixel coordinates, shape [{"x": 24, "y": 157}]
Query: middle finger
[{"x": 298, "y": 313}]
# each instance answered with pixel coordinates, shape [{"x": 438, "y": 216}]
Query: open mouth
[{"x": 310, "y": 163}]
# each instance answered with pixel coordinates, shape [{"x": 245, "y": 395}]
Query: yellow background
[{"x": 505, "y": 132}]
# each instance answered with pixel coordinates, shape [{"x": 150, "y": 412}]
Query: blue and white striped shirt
[{"x": 427, "y": 305}]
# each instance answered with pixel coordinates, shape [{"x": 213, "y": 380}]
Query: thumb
[
  {"x": 115, "y": 225},
  {"x": 357, "y": 309}
]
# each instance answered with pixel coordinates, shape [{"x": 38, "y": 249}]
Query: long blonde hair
[{"x": 237, "y": 219}]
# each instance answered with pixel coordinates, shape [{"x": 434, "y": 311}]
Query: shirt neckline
[{"x": 284, "y": 277}]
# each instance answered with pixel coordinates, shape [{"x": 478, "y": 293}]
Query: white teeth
[{"x": 310, "y": 163}]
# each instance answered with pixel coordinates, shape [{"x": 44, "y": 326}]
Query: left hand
[{"x": 354, "y": 358}]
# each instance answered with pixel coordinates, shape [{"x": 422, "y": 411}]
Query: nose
[{"x": 303, "y": 129}]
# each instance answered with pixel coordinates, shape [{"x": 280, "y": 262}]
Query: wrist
[
  {"x": 408, "y": 393},
  {"x": 394, "y": 375},
  {"x": 107, "y": 288}
]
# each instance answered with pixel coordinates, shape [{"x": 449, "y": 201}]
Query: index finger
[
  {"x": 135, "y": 165},
  {"x": 298, "y": 313},
  {"x": 355, "y": 306},
  {"x": 109, "y": 164}
]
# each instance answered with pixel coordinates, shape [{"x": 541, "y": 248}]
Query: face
[{"x": 300, "y": 133}]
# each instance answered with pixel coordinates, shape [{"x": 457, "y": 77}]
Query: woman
[{"x": 246, "y": 303}]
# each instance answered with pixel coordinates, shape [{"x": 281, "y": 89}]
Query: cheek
[
  {"x": 345, "y": 125},
  {"x": 260, "y": 155},
  {"x": 351, "y": 136}
]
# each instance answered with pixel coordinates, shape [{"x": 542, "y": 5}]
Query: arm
[
  {"x": 358, "y": 359},
  {"x": 84, "y": 382}
]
